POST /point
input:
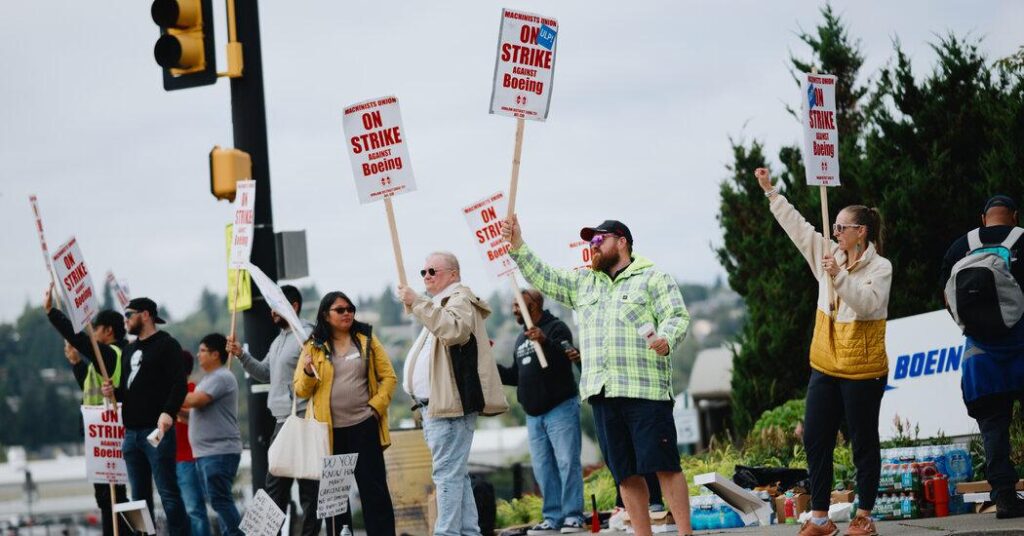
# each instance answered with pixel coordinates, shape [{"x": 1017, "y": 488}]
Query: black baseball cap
[
  {"x": 1000, "y": 201},
  {"x": 146, "y": 304},
  {"x": 614, "y": 227}
]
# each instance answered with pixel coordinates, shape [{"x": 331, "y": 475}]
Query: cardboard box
[
  {"x": 802, "y": 503},
  {"x": 749, "y": 506},
  {"x": 843, "y": 496},
  {"x": 657, "y": 518},
  {"x": 981, "y": 486}
]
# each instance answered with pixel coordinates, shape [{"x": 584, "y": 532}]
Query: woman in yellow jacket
[
  {"x": 352, "y": 395},
  {"x": 849, "y": 366}
]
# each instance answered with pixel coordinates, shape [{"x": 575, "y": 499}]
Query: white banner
[
  {"x": 120, "y": 290},
  {"x": 579, "y": 255},
  {"x": 336, "y": 485},
  {"x": 525, "y": 65},
  {"x": 378, "y": 150},
  {"x": 75, "y": 284},
  {"x": 925, "y": 355},
  {"x": 484, "y": 218},
  {"x": 263, "y": 517},
  {"x": 821, "y": 135},
  {"x": 276, "y": 299},
  {"x": 242, "y": 231},
  {"x": 104, "y": 433}
]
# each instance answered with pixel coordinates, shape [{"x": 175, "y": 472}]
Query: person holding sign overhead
[
  {"x": 451, "y": 375},
  {"x": 108, "y": 327},
  {"x": 630, "y": 317},
  {"x": 278, "y": 368},
  {"x": 151, "y": 392},
  {"x": 351, "y": 390},
  {"x": 849, "y": 365}
]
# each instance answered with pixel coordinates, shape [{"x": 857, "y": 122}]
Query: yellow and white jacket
[{"x": 849, "y": 340}]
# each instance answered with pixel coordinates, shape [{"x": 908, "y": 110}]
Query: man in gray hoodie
[{"x": 277, "y": 368}]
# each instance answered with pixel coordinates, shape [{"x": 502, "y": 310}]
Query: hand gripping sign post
[
  {"x": 82, "y": 305},
  {"x": 821, "y": 145},
  {"x": 242, "y": 234},
  {"x": 42, "y": 243},
  {"x": 279, "y": 304},
  {"x": 380, "y": 159},
  {"x": 485, "y": 224}
]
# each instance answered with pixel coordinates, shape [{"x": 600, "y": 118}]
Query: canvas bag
[
  {"x": 299, "y": 449},
  {"x": 982, "y": 294}
]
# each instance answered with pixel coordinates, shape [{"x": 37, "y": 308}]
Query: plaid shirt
[{"x": 614, "y": 355}]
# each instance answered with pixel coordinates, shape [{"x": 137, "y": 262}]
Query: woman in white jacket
[{"x": 849, "y": 365}]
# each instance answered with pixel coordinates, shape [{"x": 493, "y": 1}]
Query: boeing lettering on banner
[{"x": 927, "y": 363}]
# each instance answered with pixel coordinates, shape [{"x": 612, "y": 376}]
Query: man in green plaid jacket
[{"x": 630, "y": 317}]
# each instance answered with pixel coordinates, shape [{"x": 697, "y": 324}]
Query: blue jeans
[
  {"x": 147, "y": 464},
  {"x": 218, "y": 474},
  {"x": 555, "y": 443},
  {"x": 195, "y": 499},
  {"x": 449, "y": 440}
]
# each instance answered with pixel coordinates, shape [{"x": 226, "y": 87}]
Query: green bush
[
  {"x": 786, "y": 416},
  {"x": 520, "y": 511}
]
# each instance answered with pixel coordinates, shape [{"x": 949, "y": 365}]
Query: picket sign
[
  {"x": 381, "y": 166},
  {"x": 336, "y": 479},
  {"x": 263, "y": 517},
  {"x": 121, "y": 295},
  {"x": 42, "y": 243},
  {"x": 242, "y": 235},
  {"x": 821, "y": 148},
  {"x": 278, "y": 303},
  {"x": 579, "y": 255}
]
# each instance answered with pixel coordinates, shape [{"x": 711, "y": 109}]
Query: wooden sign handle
[
  {"x": 526, "y": 319},
  {"x": 396, "y": 246},
  {"x": 828, "y": 245},
  {"x": 516, "y": 158}
]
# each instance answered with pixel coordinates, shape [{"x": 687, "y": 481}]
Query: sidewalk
[{"x": 968, "y": 524}]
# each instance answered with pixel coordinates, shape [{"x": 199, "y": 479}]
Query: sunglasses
[
  {"x": 840, "y": 227},
  {"x": 433, "y": 271},
  {"x": 129, "y": 314},
  {"x": 342, "y": 310},
  {"x": 597, "y": 240}
]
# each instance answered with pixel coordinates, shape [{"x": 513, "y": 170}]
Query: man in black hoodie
[
  {"x": 151, "y": 391},
  {"x": 551, "y": 401}
]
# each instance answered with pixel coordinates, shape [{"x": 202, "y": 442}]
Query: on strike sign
[
  {"x": 378, "y": 149},
  {"x": 104, "y": 433},
  {"x": 821, "y": 137},
  {"x": 579, "y": 251},
  {"x": 76, "y": 284},
  {"x": 484, "y": 219},
  {"x": 525, "y": 66},
  {"x": 242, "y": 231}
]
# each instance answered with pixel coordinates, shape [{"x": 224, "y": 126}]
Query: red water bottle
[
  {"x": 595, "y": 518},
  {"x": 790, "y": 508},
  {"x": 936, "y": 491}
]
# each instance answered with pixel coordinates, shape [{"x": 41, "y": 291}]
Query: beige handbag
[{"x": 299, "y": 449}]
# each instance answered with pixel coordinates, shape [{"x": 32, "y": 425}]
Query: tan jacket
[
  {"x": 460, "y": 315},
  {"x": 851, "y": 343},
  {"x": 380, "y": 379}
]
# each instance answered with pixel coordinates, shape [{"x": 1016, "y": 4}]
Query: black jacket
[
  {"x": 80, "y": 341},
  {"x": 539, "y": 389},
  {"x": 159, "y": 385}
]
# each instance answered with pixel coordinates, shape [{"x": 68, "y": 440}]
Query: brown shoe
[
  {"x": 861, "y": 526},
  {"x": 810, "y": 529}
]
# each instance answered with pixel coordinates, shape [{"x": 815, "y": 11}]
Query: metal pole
[{"x": 249, "y": 119}]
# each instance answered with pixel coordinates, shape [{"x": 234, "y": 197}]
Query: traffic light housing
[
  {"x": 227, "y": 167},
  {"x": 185, "y": 49}
]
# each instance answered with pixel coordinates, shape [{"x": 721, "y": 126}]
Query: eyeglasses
[
  {"x": 433, "y": 271},
  {"x": 129, "y": 314},
  {"x": 840, "y": 227},
  {"x": 597, "y": 240},
  {"x": 342, "y": 310}
]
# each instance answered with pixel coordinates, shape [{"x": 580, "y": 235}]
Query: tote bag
[{"x": 299, "y": 449}]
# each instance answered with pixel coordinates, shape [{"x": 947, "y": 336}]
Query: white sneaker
[
  {"x": 573, "y": 525},
  {"x": 545, "y": 527}
]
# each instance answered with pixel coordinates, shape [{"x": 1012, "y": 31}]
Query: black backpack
[{"x": 981, "y": 292}]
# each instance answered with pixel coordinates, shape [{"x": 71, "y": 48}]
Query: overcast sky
[{"x": 645, "y": 101}]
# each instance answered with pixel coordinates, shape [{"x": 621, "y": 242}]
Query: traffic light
[
  {"x": 227, "y": 167},
  {"x": 185, "y": 49}
]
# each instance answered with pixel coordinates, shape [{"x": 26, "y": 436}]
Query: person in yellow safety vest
[{"x": 109, "y": 329}]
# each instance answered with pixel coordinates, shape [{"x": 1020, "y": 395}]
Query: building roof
[{"x": 711, "y": 376}]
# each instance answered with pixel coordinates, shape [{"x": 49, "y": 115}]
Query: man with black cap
[
  {"x": 993, "y": 358},
  {"x": 108, "y": 329},
  {"x": 630, "y": 316},
  {"x": 151, "y": 392}
]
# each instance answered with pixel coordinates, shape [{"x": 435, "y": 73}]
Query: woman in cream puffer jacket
[{"x": 849, "y": 365}]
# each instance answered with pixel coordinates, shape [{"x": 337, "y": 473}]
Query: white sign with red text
[
  {"x": 120, "y": 290},
  {"x": 821, "y": 137},
  {"x": 104, "y": 433},
  {"x": 484, "y": 219},
  {"x": 579, "y": 252},
  {"x": 242, "y": 231},
  {"x": 378, "y": 149},
  {"x": 525, "y": 67},
  {"x": 75, "y": 284}
]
